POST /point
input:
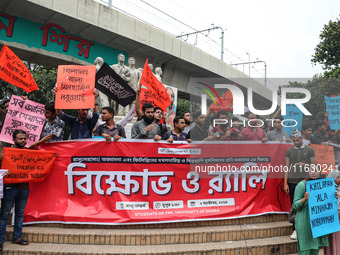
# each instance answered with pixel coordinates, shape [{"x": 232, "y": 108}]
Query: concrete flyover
[{"x": 54, "y": 32}]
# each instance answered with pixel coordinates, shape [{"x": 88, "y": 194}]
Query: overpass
[{"x": 56, "y": 32}]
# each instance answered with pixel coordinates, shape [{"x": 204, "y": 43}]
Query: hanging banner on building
[
  {"x": 155, "y": 94},
  {"x": 171, "y": 110},
  {"x": 14, "y": 71},
  {"x": 144, "y": 182},
  {"x": 333, "y": 109},
  {"x": 324, "y": 157},
  {"x": 75, "y": 85},
  {"x": 27, "y": 165},
  {"x": 323, "y": 207},
  {"x": 112, "y": 85},
  {"x": 25, "y": 115}
]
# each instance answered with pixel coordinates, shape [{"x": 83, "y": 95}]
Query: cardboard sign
[
  {"x": 14, "y": 71},
  {"x": 293, "y": 113},
  {"x": 25, "y": 115},
  {"x": 333, "y": 109},
  {"x": 27, "y": 165},
  {"x": 323, "y": 207},
  {"x": 155, "y": 93},
  {"x": 324, "y": 156},
  {"x": 75, "y": 85},
  {"x": 112, "y": 85}
]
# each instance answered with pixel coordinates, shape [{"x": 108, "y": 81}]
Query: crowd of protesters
[{"x": 150, "y": 124}]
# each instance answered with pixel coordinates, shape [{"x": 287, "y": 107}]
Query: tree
[
  {"x": 327, "y": 52},
  {"x": 45, "y": 79}
]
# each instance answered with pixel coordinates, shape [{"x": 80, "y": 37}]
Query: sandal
[{"x": 20, "y": 242}]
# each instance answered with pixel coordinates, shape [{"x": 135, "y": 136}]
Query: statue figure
[
  {"x": 151, "y": 67},
  {"x": 121, "y": 69},
  {"x": 124, "y": 72},
  {"x": 98, "y": 62},
  {"x": 103, "y": 99},
  {"x": 158, "y": 73},
  {"x": 134, "y": 72}
]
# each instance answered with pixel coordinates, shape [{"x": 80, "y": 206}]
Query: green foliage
[
  {"x": 327, "y": 52},
  {"x": 45, "y": 79},
  {"x": 182, "y": 105},
  {"x": 319, "y": 87}
]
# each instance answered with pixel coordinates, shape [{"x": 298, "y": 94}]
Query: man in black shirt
[{"x": 198, "y": 132}]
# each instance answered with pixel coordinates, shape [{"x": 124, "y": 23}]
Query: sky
[{"x": 283, "y": 33}]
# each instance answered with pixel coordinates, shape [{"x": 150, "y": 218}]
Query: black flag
[{"x": 112, "y": 85}]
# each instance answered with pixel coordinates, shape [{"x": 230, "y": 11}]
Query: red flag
[
  {"x": 14, "y": 71},
  {"x": 227, "y": 102},
  {"x": 156, "y": 93}
]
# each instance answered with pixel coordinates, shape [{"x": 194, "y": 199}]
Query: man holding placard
[
  {"x": 14, "y": 194},
  {"x": 81, "y": 126},
  {"x": 298, "y": 158}
]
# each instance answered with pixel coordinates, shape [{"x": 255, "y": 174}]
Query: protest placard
[
  {"x": 155, "y": 93},
  {"x": 323, "y": 207},
  {"x": 333, "y": 109},
  {"x": 112, "y": 85},
  {"x": 75, "y": 85},
  {"x": 27, "y": 165},
  {"x": 14, "y": 71},
  {"x": 324, "y": 157},
  {"x": 293, "y": 119},
  {"x": 25, "y": 115}
]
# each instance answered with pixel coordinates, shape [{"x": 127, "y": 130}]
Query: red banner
[
  {"x": 14, "y": 71},
  {"x": 26, "y": 165},
  {"x": 143, "y": 182},
  {"x": 156, "y": 94}
]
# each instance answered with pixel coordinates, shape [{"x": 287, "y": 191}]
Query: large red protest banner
[
  {"x": 143, "y": 182},
  {"x": 14, "y": 71}
]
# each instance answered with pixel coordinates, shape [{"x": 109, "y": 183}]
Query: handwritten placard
[
  {"x": 75, "y": 85},
  {"x": 155, "y": 93},
  {"x": 27, "y": 165},
  {"x": 112, "y": 85},
  {"x": 293, "y": 119},
  {"x": 25, "y": 115},
  {"x": 333, "y": 109},
  {"x": 323, "y": 207},
  {"x": 14, "y": 71},
  {"x": 324, "y": 156}
]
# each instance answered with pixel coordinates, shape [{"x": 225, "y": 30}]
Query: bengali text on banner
[{"x": 133, "y": 182}]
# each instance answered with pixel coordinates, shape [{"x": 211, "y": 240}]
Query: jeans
[
  {"x": 292, "y": 187},
  {"x": 19, "y": 198}
]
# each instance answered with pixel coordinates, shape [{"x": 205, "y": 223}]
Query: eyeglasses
[{"x": 159, "y": 112}]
